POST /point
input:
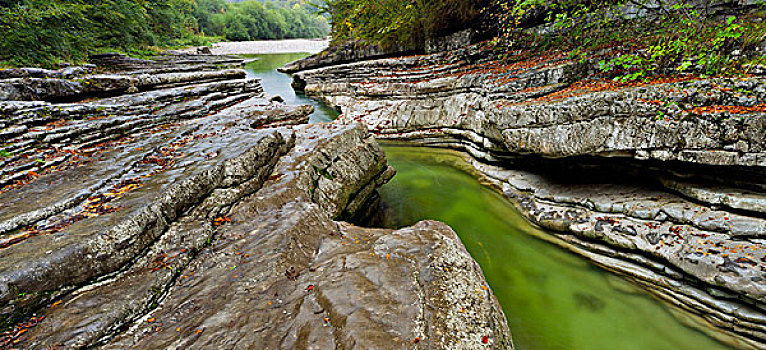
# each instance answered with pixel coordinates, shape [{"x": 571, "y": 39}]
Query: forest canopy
[
  {"x": 252, "y": 20},
  {"x": 45, "y": 32}
]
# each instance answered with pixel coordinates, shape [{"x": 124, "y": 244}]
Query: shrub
[{"x": 656, "y": 37}]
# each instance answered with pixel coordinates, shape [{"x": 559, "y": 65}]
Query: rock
[
  {"x": 352, "y": 51},
  {"x": 343, "y": 52},
  {"x": 687, "y": 253},
  {"x": 127, "y": 199},
  {"x": 536, "y": 110},
  {"x": 64, "y": 73},
  {"x": 176, "y": 61},
  {"x": 280, "y": 115},
  {"x": 196, "y": 212},
  {"x": 117, "y": 60},
  {"x": 44, "y": 89},
  {"x": 662, "y": 181},
  {"x": 451, "y": 42}
]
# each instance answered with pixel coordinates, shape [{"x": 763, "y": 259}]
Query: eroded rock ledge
[
  {"x": 662, "y": 181},
  {"x": 201, "y": 214}
]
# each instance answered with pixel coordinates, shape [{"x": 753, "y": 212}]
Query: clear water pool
[{"x": 553, "y": 299}]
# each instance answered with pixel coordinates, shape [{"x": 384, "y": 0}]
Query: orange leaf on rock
[{"x": 221, "y": 220}]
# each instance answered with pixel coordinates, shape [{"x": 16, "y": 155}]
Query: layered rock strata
[
  {"x": 201, "y": 214},
  {"x": 662, "y": 180},
  {"x": 353, "y": 51}
]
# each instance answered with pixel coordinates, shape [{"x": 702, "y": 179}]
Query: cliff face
[
  {"x": 662, "y": 181},
  {"x": 188, "y": 209}
]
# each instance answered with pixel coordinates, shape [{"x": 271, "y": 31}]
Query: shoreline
[
  {"x": 664, "y": 234},
  {"x": 264, "y": 47}
]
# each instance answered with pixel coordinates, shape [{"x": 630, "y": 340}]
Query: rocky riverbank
[
  {"x": 662, "y": 181},
  {"x": 171, "y": 203}
]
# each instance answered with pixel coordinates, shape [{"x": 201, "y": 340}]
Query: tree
[{"x": 399, "y": 22}]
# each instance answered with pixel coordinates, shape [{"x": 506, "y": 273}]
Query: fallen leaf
[{"x": 221, "y": 220}]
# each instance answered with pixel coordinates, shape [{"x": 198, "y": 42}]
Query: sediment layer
[
  {"x": 170, "y": 207},
  {"x": 661, "y": 180}
]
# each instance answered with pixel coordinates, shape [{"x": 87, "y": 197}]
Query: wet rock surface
[
  {"x": 201, "y": 213},
  {"x": 662, "y": 181}
]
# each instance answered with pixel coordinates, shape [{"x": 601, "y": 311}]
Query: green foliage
[
  {"x": 253, "y": 20},
  {"x": 667, "y": 37},
  {"x": 398, "y": 22},
  {"x": 687, "y": 43},
  {"x": 48, "y": 32},
  {"x": 235, "y": 28},
  {"x": 45, "y": 32}
]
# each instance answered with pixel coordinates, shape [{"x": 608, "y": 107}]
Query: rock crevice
[
  {"x": 190, "y": 210},
  {"x": 661, "y": 180}
]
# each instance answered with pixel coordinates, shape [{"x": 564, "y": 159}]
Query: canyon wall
[{"x": 662, "y": 180}]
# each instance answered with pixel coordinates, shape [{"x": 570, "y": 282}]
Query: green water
[
  {"x": 276, "y": 83},
  {"x": 553, "y": 299}
]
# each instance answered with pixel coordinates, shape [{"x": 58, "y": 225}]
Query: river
[
  {"x": 276, "y": 83},
  {"x": 552, "y": 298}
]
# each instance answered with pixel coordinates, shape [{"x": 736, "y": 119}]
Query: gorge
[
  {"x": 660, "y": 181},
  {"x": 456, "y": 174},
  {"x": 552, "y": 300}
]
